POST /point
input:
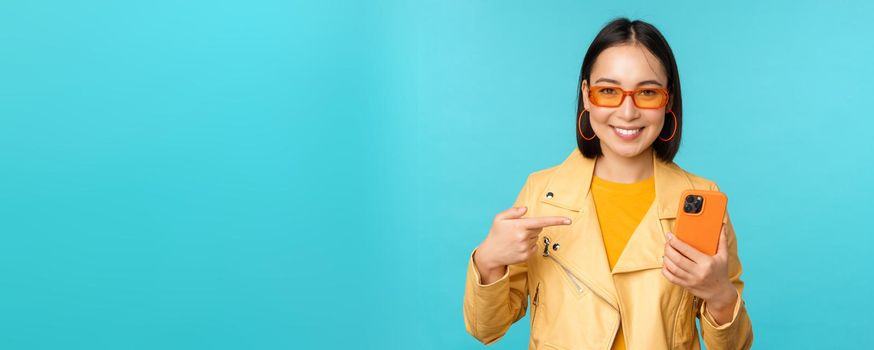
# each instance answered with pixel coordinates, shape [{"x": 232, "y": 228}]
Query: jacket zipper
[
  {"x": 570, "y": 277},
  {"x": 573, "y": 280},
  {"x": 695, "y": 306},
  {"x": 567, "y": 272},
  {"x": 534, "y": 302}
]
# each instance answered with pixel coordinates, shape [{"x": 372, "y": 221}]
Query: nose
[{"x": 628, "y": 111}]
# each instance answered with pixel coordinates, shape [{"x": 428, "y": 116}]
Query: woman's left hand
[{"x": 703, "y": 275}]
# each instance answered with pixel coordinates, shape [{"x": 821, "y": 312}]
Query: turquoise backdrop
[{"x": 268, "y": 174}]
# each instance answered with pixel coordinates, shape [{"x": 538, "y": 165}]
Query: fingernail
[
  {"x": 670, "y": 236},
  {"x": 567, "y": 221}
]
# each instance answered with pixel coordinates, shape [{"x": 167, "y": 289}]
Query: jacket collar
[{"x": 570, "y": 184}]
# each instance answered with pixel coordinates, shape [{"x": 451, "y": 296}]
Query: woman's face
[{"x": 626, "y": 130}]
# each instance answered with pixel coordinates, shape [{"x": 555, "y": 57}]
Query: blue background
[{"x": 269, "y": 174}]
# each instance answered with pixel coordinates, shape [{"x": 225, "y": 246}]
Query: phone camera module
[{"x": 693, "y": 204}]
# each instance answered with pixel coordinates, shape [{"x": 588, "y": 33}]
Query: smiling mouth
[{"x": 627, "y": 132}]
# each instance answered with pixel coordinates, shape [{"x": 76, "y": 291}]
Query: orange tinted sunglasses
[{"x": 612, "y": 96}]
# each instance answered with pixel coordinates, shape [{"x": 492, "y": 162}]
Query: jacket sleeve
[
  {"x": 490, "y": 309},
  {"x": 737, "y": 333}
]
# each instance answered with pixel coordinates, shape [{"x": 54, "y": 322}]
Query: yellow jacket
[{"x": 576, "y": 301}]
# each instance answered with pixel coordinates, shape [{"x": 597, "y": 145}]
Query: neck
[{"x": 615, "y": 168}]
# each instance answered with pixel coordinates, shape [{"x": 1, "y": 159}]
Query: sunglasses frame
[{"x": 631, "y": 93}]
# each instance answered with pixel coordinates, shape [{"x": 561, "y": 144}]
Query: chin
[{"x": 629, "y": 150}]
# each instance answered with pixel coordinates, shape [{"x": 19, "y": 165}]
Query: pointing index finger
[{"x": 544, "y": 221}]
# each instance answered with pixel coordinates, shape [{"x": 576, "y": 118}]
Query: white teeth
[{"x": 627, "y": 132}]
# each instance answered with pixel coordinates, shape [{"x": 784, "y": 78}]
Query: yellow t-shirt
[{"x": 620, "y": 208}]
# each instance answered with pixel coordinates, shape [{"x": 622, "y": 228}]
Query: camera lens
[
  {"x": 689, "y": 208},
  {"x": 690, "y": 199}
]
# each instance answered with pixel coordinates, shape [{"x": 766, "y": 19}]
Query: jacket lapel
[{"x": 645, "y": 248}]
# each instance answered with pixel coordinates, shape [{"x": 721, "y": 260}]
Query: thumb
[{"x": 512, "y": 213}]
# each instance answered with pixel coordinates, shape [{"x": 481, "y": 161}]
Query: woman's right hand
[{"x": 511, "y": 240}]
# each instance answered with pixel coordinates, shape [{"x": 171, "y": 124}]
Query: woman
[{"x": 588, "y": 241}]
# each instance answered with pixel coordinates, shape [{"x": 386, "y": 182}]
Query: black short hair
[{"x": 623, "y": 31}]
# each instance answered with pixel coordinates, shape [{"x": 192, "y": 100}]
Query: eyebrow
[{"x": 608, "y": 80}]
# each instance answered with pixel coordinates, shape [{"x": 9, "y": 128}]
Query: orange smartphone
[{"x": 699, "y": 219}]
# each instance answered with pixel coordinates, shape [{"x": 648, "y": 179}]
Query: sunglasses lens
[
  {"x": 606, "y": 97},
  {"x": 650, "y": 98}
]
